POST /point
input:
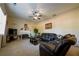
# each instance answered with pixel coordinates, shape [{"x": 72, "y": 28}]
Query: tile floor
[
  {"x": 25, "y": 48},
  {"x": 20, "y": 48}
]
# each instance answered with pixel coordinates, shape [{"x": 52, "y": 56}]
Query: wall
[
  {"x": 63, "y": 24},
  {"x": 0, "y": 40},
  {"x": 19, "y": 23},
  {"x": 3, "y": 41},
  {"x": 3, "y": 7}
]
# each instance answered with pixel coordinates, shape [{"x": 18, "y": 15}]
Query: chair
[
  {"x": 59, "y": 50},
  {"x": 63, "y": 47}
]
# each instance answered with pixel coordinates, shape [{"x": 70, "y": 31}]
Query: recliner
[
  {"x": 63, "y": 47},
  {"x": 59, "y": 50}
]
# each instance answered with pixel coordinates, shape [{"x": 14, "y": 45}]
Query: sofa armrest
[{"x": 46, "y": 49}]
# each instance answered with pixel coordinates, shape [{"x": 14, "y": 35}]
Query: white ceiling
[{"x": 25, "y": 10}]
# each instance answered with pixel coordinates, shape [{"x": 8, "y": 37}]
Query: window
[{"x": 2, "y": 22}]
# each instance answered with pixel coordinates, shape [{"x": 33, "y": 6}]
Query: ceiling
[{"x": 47, "y": 10}]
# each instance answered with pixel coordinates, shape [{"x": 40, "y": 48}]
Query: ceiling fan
[{"x": 36, "y": 15}]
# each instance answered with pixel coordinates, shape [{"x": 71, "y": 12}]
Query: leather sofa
[
  {"x": 48, "y": 36},
  {"x": 59, "y": 50}
]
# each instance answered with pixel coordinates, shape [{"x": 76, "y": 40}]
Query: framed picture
[
  {"x": 25, "y": 26},
  {"x": 48, "y": 26}
]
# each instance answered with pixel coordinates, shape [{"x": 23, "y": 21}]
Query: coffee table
[{"x": 34, "y": 41}]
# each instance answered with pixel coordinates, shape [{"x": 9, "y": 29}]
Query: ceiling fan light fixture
[
  {"x": 39, "y": 18},
  {"x": 35, "y": 18},
  {"x": 36, "y": 15}
]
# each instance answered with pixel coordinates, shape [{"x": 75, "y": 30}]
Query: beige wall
[
  {"x": 2, "y": 5},
  {"x": 0, "y": 40},
  {"x": 19, "y": 23},
  {"x": 63, "y": 24}
]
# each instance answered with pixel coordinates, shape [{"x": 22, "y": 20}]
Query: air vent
[{"x": 14, "y": 4}]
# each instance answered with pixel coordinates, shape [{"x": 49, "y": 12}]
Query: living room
[{"x": 47, "y": 18}]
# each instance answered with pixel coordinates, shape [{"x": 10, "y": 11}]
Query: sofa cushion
[{"x": 49, "y": 36}]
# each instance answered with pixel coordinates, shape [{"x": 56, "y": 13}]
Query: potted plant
[{"x": 35, "y": 31}]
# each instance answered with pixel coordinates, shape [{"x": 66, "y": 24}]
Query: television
[{"x": 12, "y": 31}]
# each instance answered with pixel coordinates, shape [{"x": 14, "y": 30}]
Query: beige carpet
[
  {"x": 25, "y": 48},
  {"x": 73, "y": 51},
  {"x": 20, "y": 48}
]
